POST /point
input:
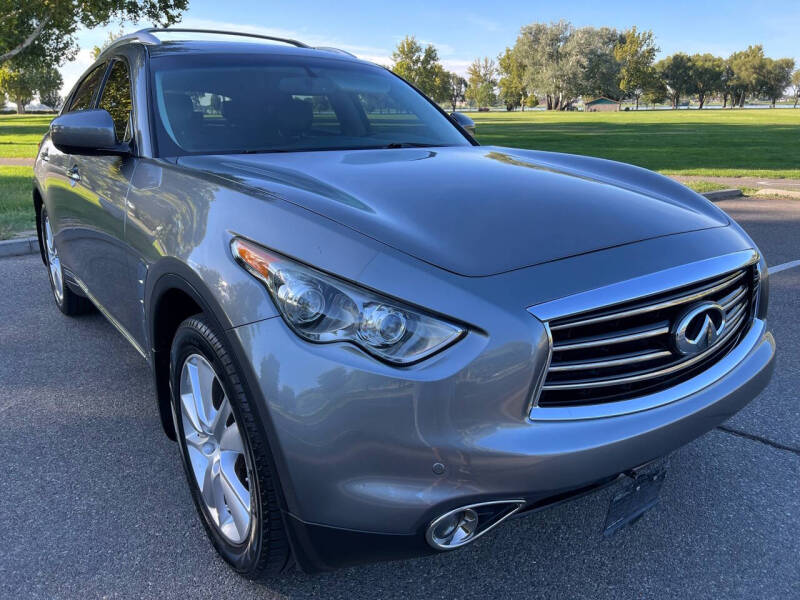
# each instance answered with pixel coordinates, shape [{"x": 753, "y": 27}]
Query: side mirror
[
  {"x": 86, "y": 132},
  {"x": 464, "y": 121}
]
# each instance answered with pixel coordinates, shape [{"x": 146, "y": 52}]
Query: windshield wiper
[
  {"x": 409, "y": 145},
  {"x": 332, "y": 148}
]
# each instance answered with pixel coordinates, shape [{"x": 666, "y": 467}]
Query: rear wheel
[
  {"x": 68, "y": 302},
  {"x": 224, "y": 454}
]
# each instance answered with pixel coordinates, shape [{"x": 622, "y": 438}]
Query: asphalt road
[{"x": 93, "y": 501}]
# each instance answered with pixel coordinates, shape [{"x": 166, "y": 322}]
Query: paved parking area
[{"x": 93, "y": 501}]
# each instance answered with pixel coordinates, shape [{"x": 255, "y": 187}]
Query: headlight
[{"x": 322, "y": 309}]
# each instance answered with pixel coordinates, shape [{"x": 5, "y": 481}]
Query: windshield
[{"x": 236, "y": 104}]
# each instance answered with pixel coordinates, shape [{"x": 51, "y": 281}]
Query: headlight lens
[{"x": 320, "y": 308}]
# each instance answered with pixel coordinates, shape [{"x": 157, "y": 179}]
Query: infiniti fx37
[{"x": 371, "y": 337}]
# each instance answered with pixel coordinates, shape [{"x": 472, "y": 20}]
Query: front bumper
[{"x": 355, "y": 442}]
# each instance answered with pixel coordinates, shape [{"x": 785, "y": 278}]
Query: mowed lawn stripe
[
  {"x": 16, "y": 202},
  {"x": 20, "y": 134},
  {"x": 750, "y": 142}
]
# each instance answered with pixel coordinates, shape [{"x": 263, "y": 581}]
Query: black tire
[
  {"x": 68, "y": 302},
  {"x": 266, "y": 551}
]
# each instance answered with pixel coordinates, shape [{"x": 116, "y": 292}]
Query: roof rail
[
  {"x": 147, "y": 35},
  {"x": 336, "y": 50},
  {"x": 143, "y": 35}
]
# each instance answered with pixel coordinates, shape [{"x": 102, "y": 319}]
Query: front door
[{"x": 100, "y": 190}]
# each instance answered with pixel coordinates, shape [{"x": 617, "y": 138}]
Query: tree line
[
  {"x": 557, "y": 64},
  {"x": 554, "y": 63}
]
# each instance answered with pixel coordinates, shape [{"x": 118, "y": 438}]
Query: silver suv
[{"x": 372, "y": 337}]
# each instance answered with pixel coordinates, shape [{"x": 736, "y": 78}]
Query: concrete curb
[
  {"x": 722, "y": 194},
  {"x": 18, "y": 247}
]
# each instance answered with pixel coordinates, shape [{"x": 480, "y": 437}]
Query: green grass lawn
[
  {"x": 758, "y": 143},
  {"x": 19, "y": 138},
  {"x": 20, "y": 134},
  {"x": 701, "y": 187},
  {"x": 16, "y": 206}
]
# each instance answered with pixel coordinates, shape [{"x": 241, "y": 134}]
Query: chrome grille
[{"x": 625, "y": 350}]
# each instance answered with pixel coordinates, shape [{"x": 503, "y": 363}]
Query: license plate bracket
[{"x": 640, "y": 493}]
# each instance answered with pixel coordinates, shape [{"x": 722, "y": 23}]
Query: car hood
[{"x": 475, "y": 210}]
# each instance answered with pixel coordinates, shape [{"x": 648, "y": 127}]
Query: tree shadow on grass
[{"x": 16, "y": 204}]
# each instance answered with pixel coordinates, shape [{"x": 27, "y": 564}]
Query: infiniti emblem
[{"x": 698, "y": 328}]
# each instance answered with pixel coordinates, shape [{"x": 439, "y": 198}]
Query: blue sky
[{"x": 470, "y": 28}]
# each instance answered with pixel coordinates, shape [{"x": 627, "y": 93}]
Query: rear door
[{"x": 99, "y": 194}]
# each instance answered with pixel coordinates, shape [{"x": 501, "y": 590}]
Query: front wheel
[{"x": 224, "y": 454}]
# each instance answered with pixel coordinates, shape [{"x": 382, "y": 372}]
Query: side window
[
  {"x": 116, "y": 99},
  {"x": 85, "y": 93}
]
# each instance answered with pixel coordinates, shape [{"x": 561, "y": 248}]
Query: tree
[
  {"x": 598, "y": 71},
  {"x": 796, "y": 86},
  {"x": 440, "y": 89},
  {"x": 457, "y": 86},
  {"x": 482, "y": 81},
  {"x": 707, "y": 73},
  {"x": 656, "y": 92},
  {"x": 20, "y": 84},
  {"x": 421, "y": 68},
  {"x": 52, "y": 99},
  {"x": 42, "y": 31},
  {"x": 776, "y": 76},
  {"x": 112, "y": 37},
  {"x": 676, "y": 72},
  {"x": 636, "y": 53},
  {"x": 512, "y": 80},
  {"x": 48, "y": 86},
  {"x": 747, "y": 67},
  {"x": 562, "y": 63},
  {"x": 727, "y": 83},
  {"x": 549, "y": 68}
]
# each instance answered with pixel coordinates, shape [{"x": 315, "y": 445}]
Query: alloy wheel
[
  {"x": 216, "y": 450},
  {"x": 53, "y": 261}
]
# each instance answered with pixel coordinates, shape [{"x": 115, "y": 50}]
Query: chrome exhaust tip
[{"x": 461, "y": 526}]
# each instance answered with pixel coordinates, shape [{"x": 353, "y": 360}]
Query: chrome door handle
[
  {"x": 45, "y": 155},
  {"x": 74, "y": 174}
]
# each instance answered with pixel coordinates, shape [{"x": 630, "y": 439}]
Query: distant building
[{"x": 601, "y": 105}]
